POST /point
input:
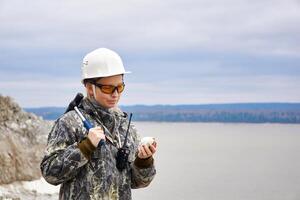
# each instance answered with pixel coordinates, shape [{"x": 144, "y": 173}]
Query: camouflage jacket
[{"x": 94, "y": 175}]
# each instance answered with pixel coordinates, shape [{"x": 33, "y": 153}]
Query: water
[{"x": 213, "y": 161}]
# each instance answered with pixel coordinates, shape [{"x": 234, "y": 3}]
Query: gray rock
[{"x": 22, "y": 142}]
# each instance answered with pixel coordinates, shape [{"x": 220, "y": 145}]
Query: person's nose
[{"x": 115, "y": 94}]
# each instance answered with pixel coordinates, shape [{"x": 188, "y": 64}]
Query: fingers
[
  {"x": 146, "y": 151},
  {"x": 97, "y": 131},
  {"x": 98, "y": 128},
  {"x": 142, "y": 153},
  {"x": 153, "y": 148},
  {"x": 154, "y": 144},
  {"x": 95, "y": 135}
]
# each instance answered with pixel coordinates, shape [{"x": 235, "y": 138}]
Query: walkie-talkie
[{"x": 123, "y": 152}]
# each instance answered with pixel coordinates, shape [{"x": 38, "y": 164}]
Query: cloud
[
  {"x": 268, "y": 27},
  {"x": 216, "y": 90},
  {"x": 38, "y": 93},
  {"x": 179, "y": 51}
]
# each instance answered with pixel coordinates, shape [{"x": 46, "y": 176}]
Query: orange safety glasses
[{"x": 110, "y": 89}]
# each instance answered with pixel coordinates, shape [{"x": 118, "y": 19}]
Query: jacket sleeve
[
  {"x": 142, "y": 176},
  {"x": 142, "y": 170},
  {"x": 63, "y": 159}
]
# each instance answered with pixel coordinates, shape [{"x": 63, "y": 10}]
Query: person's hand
[
  {"x": 95, "y": 135},
  {"x": 145, "y": 151}
]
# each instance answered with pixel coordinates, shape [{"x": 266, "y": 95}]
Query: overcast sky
[{"x": 180, "y": 51}]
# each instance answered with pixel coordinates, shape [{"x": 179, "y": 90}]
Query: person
[{"x": 75, "y": 157}]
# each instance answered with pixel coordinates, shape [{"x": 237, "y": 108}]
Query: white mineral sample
[{"x": 147, "y": 141}]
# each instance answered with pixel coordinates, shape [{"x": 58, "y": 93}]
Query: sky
[{"x": 179, "y": 51}]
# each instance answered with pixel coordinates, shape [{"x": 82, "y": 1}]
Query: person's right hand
[{"x": 95, "y": 135}]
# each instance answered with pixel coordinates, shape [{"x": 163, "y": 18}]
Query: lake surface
[
  {"x": 215, "y": 161},
  {"x": 212, "y": 161}
]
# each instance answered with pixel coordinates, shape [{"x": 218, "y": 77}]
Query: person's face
[{"x": 106, "y": 100}]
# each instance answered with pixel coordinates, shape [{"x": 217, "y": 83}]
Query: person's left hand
[{"x": 145, "y": 151}]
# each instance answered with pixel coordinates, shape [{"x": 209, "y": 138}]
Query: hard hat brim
[{"x": 109, "y": 75}]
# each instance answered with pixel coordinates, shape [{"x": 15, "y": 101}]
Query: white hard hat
[{"x": 102, "y": 62}]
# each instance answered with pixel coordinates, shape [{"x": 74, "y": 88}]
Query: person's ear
[{"x": 89, "y": 89}]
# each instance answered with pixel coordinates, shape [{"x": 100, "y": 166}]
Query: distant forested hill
[{"x": 238, "y": 112}]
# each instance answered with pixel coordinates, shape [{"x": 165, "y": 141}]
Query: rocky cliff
[{"x": 22, "y": 142}]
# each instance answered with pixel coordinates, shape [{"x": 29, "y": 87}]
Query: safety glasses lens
[{"x": 109, "y": 89}]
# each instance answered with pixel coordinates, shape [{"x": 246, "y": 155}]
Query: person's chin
[{"x": 111, "y": 104}]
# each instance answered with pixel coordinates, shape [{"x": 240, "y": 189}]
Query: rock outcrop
[{"x": 22, "y": 142}]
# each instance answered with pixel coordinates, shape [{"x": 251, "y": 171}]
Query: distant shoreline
[{"x": 283, "y": 113}]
